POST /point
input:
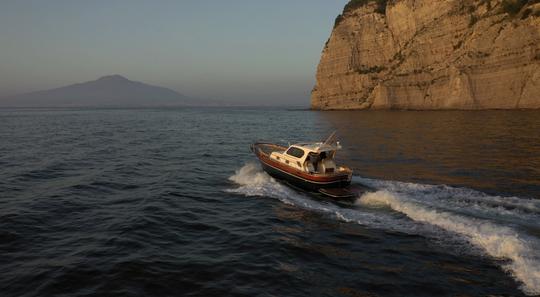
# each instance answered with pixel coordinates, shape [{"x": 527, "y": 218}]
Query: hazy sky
[{"x": 252, "y": 50}]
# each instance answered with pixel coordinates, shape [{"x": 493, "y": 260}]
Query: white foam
[
  {"x": 449, "y": 215},
  {"x": 518, "y": 210},
  {"x": 255, "y": 182},
  {"x": 498, "y": 241}
]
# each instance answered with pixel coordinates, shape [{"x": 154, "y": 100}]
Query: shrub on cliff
[
  {"x": 338, "y": 20},
  {"x": 512, "y": 7}
]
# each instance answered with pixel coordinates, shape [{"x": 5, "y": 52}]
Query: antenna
[{"x": 331, "y": 139}]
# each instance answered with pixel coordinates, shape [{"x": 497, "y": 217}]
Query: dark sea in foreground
[{"x": 171, "y": 202}]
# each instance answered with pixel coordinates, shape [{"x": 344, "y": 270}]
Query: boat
[{"x": 308, "y": 166}]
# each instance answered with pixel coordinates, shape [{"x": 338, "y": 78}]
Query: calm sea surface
[{"x": 171, "y": 202}]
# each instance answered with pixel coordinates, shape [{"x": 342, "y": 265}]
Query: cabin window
[
  {"x": 298, "y": 163},
  {"x": 295, "y": 152}
]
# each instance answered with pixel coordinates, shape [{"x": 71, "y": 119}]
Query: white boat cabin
[{"x": 310, "y": 157}]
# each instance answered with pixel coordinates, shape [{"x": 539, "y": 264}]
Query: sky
[{"x": 251, "y": 51}]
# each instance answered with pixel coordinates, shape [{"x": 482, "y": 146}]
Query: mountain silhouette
[{"x": 111, "y": 90}]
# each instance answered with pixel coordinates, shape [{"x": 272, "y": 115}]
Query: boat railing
[
  {"x": 339, "y": 171},
  {"x": 276, "y": 147}
]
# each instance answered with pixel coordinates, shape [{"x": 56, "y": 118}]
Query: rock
[{"x": 426, "y": 54}]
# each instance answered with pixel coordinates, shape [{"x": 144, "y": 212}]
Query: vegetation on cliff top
[
  {"x": 511, "y": 7},
  {"x": 353, "y": 4}
]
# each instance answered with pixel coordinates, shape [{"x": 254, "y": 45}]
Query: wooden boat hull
[
  {"x": 303, "y": 183},
  {"x": 295, "y": 177}
]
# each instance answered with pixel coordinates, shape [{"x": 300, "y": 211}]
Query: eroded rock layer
[{"x": 432, "y": 54}]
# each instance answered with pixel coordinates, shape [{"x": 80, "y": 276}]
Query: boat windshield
[{"x": 295, "y": 152}]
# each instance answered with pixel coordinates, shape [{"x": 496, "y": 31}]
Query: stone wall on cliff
[{"x": 431, "y": 54}]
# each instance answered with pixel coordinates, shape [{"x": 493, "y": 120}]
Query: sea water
[{"x": 171, "y": 202}]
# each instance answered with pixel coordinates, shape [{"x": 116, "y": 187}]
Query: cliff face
[{"x": 432, "y": 54}]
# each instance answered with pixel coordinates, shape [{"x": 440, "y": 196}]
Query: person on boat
[
  {"x": 310, "y": 163},
  {"x": 326, "y": 164}
]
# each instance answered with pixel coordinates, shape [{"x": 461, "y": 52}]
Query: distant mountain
[{"x": 112, "y": 90}]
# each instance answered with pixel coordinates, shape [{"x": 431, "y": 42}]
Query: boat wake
[
  {"x": 496, "y": 240},
  {"x": 501, "y": 227}
]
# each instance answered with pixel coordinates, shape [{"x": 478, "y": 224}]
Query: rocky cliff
[{"x": 432, "y": 54}]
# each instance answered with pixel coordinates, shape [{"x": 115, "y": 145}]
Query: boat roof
[{"x": 318, "y": 146}]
